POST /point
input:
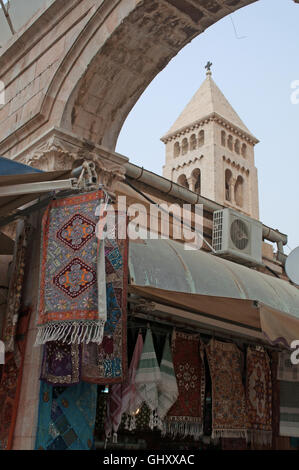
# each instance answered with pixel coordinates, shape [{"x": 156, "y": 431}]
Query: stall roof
[
  {"x": 166, "y": 265},
  {"x": 10, "y": 167},
  {"x": 13, "y": 173}
]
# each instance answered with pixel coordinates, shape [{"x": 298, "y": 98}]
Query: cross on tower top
[{"x": 208, "y": 68}]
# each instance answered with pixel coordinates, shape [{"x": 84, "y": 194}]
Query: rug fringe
[
  {"x": 71, "y": 332},
  {"x": 183, "y": 429},
  {"x": 259, "y": 437},
  {"x": 229, "y": 433}
]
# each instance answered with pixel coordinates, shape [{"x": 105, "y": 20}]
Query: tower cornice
[{"x": 210, "y": 118}]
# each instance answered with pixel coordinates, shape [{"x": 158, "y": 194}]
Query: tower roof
[{"x": 208, "y": 100}]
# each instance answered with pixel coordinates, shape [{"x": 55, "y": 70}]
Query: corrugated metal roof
[{"x": 167, "y": 265}]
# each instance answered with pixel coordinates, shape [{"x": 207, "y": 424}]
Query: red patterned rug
[
  {"x": 185, "y": 418},
  {"x": 10, "y": 384},
  {"x": 228, "y": 394},
  {"x": 259, "y": 397},
  {"x": 69, "y": 297}
]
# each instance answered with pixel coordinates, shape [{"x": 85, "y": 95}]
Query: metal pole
[{"x": 7, "y": 17}]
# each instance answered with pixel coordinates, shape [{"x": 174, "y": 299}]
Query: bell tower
[{"x": 210, "y": 151}]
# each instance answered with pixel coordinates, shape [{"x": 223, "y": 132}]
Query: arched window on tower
[
  {"x": 185, "y": 146},
  {"x": 223, "y": 138},
  {"x": 239, "y": 191},
  {"x": 237, "y": 146},
  {"x": 230, "y": 142},
  {"x": 182, "y": 180},
  {"x": 228, "y": 182},
  {"x": 196, "y": 178},
  {"x": 201, "y": 138},
  {"x": 176, "y": 149},
  {"x": 193, "y": 142},
  {"x": 244, "y": 150}
]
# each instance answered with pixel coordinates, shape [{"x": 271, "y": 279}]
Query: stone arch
[
  {"x": 107, "y": 53},
  {"x": 239, "y": 191},
  {"x": 228, "y": 185},
  {"x": 196, "y": 180},
  {"x": 193, "y": 142},
  {"x": 176, "y": 149},
  {"x": 182, "y": 180},
  {"x": 201, "y": 138},
  {"x": 244, "y": 150},
  {"x": 223, "y": 138},
  {"x": 230, "y": 142},
  {"x": 185, "y": 146},
  {"x": 237, "y": 146}
]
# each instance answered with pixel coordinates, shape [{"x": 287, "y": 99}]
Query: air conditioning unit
[{"x": 237, "y": 237}]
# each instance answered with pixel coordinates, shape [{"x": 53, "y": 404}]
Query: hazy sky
[{"x": 255, "y": 74}]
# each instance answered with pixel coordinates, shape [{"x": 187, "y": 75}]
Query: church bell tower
[{"x": 210, "y": 151}]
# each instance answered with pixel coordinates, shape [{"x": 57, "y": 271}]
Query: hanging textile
[
  {"x": 275, "y": 399},
  {"x": 168, "y": 387},
  {"x": 286, "y": 370},
  {"x": 228, "y": 396},
  {"x": 15, "y": 290},
  {"x": 61, "y": 363},
  {"x": 107, "y": 363},
  {"x": 11, "y": 381},
  {"x": 148, "y": 377},
  {"x": 289, "y": 409},
  {"x": 123, "y": 398},
  {"x": 68, "y": 303},
  {"x": 113, "y": 411},
  {"x": 66, "y": 417},
  {"x": 185, "y": 418},
  {"x": 259, "y": 397},
  {"x": 131, "y": 401}
]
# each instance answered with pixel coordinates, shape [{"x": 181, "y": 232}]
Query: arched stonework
[
  {"x": 182, "y": 180},
  {"x": 84, "y": 63},
  {"x": 196, "y": 181},
  {"x": 193, "y": 142},
  {"x": 239, "y": 191},
  {"x": 228, "y": 185},
  {"x": 176, "y": 149},
  {"x": 201, "y": 138},
  {"x": 223, "y": 138},
  {"x": 185, "y": 146}
]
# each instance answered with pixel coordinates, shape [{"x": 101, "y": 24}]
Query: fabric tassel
[
  {"x": 182, "y": 429},
  {"x": 72, "y": 333},
  {"x": 229, "y": 433},
  {"x": 261, "y": 438}
]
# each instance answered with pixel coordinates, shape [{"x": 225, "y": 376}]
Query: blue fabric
[
  {"x": 10, "y": 167},
  {"x": 66, "y": 417}
]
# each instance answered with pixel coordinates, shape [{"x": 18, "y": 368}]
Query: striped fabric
[
  {"x": 286, "y": 370},
  {"x": 122, "y": 397},
  {"x": 168, "y": 387},
  {"x": 289, "y": 409},
  {"x": 148, "y": 376},
  {"x": 130, "y": 400}
]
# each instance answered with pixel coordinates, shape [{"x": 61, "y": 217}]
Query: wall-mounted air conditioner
[{"x": 237, "y": 237}]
